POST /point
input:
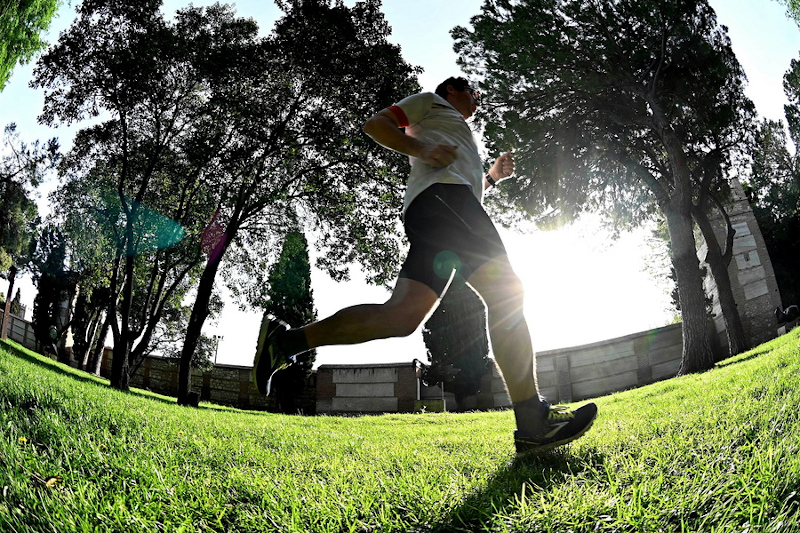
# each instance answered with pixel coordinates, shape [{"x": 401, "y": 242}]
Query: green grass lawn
[{"x": 716, "y": 451}]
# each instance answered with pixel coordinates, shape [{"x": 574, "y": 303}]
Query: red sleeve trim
[{"x": 400, "y": 114}]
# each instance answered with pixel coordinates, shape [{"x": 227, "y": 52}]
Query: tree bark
[
  {"x": 120, "y": 364},
  {"x": 200, "y": 313},
  {"x": 12, "y": 276},
  {"x": 97, "y": 356},
  {"x": 718, "y": 261},
  {"x": 697, "y": 352},
  {"x": 90, "y": 337}
]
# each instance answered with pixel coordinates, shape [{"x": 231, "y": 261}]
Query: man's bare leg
[
  {"x": 540, "y": 427},
  {"x": 410, "y": 304},
  {"x": 502, "y": 292}
]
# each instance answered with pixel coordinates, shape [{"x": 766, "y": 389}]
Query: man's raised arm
[{"x": 384, "y": 128}]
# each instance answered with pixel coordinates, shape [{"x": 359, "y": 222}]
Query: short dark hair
[{"x": 459, "y": 84}]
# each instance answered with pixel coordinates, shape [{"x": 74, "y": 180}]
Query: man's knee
[
  {"x": 510, "y": 292},
  {"x": 498, "y": 284},
  {"x": 410, "y": 304}
]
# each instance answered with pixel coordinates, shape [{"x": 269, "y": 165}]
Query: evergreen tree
[
  {"x": 291, "y": 300},
  {"x": 16, "y": 304},
  {"x": 22, "y": 168},
  {"x": 773, "y": 189},
  {"x": 54, "y": 286},
  {"x": 457, "y": 342},
  {"x": 622, "y": 107}
]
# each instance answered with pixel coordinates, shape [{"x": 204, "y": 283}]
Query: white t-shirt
[{"x": 431, "y": 119}]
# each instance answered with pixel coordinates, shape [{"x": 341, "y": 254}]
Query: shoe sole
[{"x": 549, "y": 446}]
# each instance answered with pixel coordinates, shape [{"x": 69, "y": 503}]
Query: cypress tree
[
  {"x": 455, "y": 334},
  {"x": 291, "y": 300}
]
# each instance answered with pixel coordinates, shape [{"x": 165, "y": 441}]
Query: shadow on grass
[
  {"x": 755, "y": 352},
  {"x": 85, "y": 377},
  {"x": 53, "y": 366},
  {"x": 523, "y": 478},
  {"x": 736, "y": 359}
]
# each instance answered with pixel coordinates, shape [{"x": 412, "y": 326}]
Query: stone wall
[
  {"x": 20, "y": 331},
  {"x": 565, "y": 375},
  {"x": 591, "y": 370},
  {"x": 224, "y": 384},
  {"x": 492, "y": 394},
  {"x": 380, "y": 388}
]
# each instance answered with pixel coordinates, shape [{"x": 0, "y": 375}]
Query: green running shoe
[
  {"x": 563, "y": 425},
  {"x": 269, "y": 358}
]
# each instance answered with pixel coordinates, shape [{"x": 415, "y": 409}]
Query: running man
[{"x": 448, "y": 231}]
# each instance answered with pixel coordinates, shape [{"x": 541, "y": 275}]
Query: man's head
[{"x": 460, "y": 94}]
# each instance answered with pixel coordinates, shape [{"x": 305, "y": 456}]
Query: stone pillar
[
  {"x": 752, "y": 278},
  {"x": 406, "y": 388},
  {"x": 326, "y": 389}
]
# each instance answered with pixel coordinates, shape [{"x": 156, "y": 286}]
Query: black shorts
[{"x": 448, "y": 230}]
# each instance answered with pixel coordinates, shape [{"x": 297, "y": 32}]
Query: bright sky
[{"x": 580, "y": 285}]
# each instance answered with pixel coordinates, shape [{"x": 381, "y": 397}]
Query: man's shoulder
[
  {"x": 418, "y": 99},
  {"x": 424, "y": 103}
]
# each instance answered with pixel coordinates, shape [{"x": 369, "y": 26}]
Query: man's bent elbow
[
  {"x": 373, "y": 125},
  {"x": 369, "y": 127}
]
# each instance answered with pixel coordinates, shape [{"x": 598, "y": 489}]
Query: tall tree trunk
[
  {"x": 120, "y": 364},
  {"x": 200, "y": 313},
  {"x": 89, "y": 339},
  {"x": 718, "y": 261},
  {"x": 697, "y": 352},
  {"x": 96, "y": 361},
  {"x": 120, "y": 368},
  {"x": 12, "y": 276}
]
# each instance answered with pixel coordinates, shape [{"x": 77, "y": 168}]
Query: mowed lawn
[{"x": 718, "y": 451}]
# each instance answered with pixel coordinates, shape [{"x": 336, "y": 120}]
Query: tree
[
  {"x": 718, "y": 257},
  {"x": 87, "y": 330},
  {"x": 138, "y": 176},
  {"x": 290, "y": 297},
  {"x": 291, "y": 300},
  {"x": 455, "y": 336},
  {"x": 16, "y": 304},
  {"x": 615, "y": 107},
  {"x": 168, "y": 340},
  {"x": 22, "y": 169},
  {"x": 299, "y": 156},
  {"x": 792, "y": 9},
  {"x": 773, "y": 189},
  {"x": 55, "y": 285},
  {"x": 21, "y": 25}
]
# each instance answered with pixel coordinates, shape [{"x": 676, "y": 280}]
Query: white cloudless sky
[{"x": 581, "y": 286}]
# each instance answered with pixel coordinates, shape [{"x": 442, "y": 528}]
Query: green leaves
[
  {"x": 587, "y": 91},
  {"x": 21, "y": 23},
  {"x": 22, "y": 168},
  {"x": 290, "y": 295}
]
